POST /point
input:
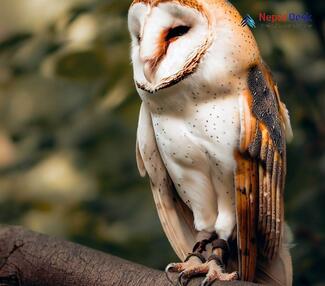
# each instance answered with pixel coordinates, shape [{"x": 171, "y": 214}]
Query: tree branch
[{"x": 29, "y": 258}]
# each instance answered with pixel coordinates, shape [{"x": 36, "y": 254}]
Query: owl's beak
[{"x": 147, "y": 71}]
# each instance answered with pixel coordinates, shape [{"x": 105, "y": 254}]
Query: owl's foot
[
  {"x": 193, "y": 265},
  {"x": 196, "y": 265},
  {"x": 217, "y": 264},
  {"x": 194, "y": 261},
  {"x": 216, "y": 272}
]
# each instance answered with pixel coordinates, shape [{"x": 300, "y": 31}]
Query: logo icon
[{"x": 248, "y": 21}]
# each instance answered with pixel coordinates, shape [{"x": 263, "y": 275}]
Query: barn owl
[{"x": 212, "y": 138}]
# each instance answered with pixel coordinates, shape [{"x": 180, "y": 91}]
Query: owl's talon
[
  {"x": 186, "y": 275},
  {"x": 205, "y": 282},
  {"x": 212, "y": 269},
  {"x": 195, "y": 271},
  {"x": 196, "y": 264},
  {"x": 170, "y": 268},
  {"x": 181, "y": 280},
  {"x": 216, "y": 272},
  {"x": 191, "y": 263}
]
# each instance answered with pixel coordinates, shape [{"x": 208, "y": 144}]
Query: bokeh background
[{"x": 68, "y": 116}]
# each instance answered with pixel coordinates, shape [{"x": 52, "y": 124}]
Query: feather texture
[
  {"x": 176, "y": 218},
  {"x": 260, "y": 173}
]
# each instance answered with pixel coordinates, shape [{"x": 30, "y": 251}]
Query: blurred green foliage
[{"x": 68, "y": 116}]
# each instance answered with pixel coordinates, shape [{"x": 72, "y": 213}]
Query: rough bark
[{"x": 29, "y": 258}]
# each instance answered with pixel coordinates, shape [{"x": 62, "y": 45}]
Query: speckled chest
[{"x": 198, "y": 133}]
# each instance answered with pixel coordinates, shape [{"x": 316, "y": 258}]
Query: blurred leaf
[
  {"x": 14, "y": 40},
  {"x": 81, "y": 65}
]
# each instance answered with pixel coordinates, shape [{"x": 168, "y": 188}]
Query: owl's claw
[
  {"x": 186, "y": 275},
  {"x": 172, "y": 268},
  {"x": 181, "y": 280},
  {"x": 183, "y": 268},
  {"x": 216, "y": 272},
  {"x": 192, "y": 268},
  {"x": 195, "y": 265},
  {"x": 217, "y": 264}
]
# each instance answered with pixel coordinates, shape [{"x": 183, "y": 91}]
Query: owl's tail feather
[{"x": 278, "y": 271}]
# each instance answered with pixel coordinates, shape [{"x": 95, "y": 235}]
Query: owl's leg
[{"x": 195, "y": 263}]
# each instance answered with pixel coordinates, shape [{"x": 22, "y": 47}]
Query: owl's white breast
[
  {"x": 197, "y": 131},
  {"x": 210, "y": 126}
]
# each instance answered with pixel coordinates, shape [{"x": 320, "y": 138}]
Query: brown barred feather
[
  {"x": 246, "y": 216},
  {"x": 253, "y": 202},
  {"x": 260, "y": 195},
  {"x": 260, "y": 174},
  {"x": 270, "y": 231}
]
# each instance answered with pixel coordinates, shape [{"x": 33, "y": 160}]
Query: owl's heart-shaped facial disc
[{"x": 168, "y": 41}]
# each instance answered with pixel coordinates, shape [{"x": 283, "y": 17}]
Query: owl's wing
[
  {"x": 176, "y": 218},
  {"x": 260, "y": 172}
]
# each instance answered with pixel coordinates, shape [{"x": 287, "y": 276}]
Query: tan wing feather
[
  {"x": 277, "y": 272},
  {"x": 176, "y": 218},
  {"x": 260, "y": 172}
]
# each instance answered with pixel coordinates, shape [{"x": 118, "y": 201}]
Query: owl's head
[{"x": 170, "y": 38}]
